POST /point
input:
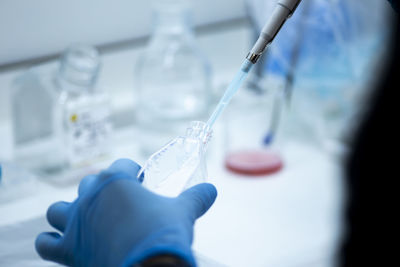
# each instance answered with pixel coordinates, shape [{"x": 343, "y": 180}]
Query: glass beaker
[
  {"x": 173, "y": 77},
  {"x": 179, "y": 164},
  {"x": 251, "y": 125}
]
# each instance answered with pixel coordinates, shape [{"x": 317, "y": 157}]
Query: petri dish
[{"x": 254, "y": 162}]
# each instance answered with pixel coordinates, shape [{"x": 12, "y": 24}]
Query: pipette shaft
[
  {"x": 230, "y": 91},
  {"x": 283, "y": 10}
]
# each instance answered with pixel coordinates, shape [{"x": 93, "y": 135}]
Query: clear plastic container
[
  {"x": 60, "y": 119},
  {"x": 36, "y": 121},
  {"x": 173, "y": 77},
  {"x": 180, "y": 164}
]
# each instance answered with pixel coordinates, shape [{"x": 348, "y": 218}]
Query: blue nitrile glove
[{"x": 115, "y": 221}]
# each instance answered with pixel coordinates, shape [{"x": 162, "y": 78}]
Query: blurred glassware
[
  {"x": 173, "y": 77},
  {"x": 86, "y": 109},
  {"x": 61, "y": 119},
  {"x": 340, "y": 43},
  {"x": 37, "y": 127},
  {"x": 247, "y": 123}
]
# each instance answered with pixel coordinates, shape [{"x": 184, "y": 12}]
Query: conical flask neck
[{"x": 199, "y": 130}]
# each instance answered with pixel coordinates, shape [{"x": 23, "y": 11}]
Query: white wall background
[{"x": 35, "y": 28}]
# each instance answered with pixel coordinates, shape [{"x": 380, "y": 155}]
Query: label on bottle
[{"x": 88, "y": 129}]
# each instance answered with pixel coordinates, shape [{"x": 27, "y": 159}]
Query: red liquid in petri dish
[{"x": 257, "y": 162}]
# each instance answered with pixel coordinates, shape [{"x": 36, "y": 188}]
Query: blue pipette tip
[
  {"x": 246, "y": 66},
  {"x": 230, "y": 91},
  {"x": 269, "y": 138}
]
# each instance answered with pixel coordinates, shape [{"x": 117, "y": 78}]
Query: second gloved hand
[{"x": 115, "y": 221}]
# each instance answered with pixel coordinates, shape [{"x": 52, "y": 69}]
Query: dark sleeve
[
  {"x": 373, "y": 175},
  {"x": 395, "y": 4},
  {"x": 163, "y": 261}
]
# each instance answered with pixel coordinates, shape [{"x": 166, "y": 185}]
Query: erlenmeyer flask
[{"x": 180, "y": 163}]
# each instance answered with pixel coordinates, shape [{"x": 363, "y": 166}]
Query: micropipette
[{"x": 283, "y": 10}]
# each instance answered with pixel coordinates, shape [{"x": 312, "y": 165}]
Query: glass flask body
[
  {"x": 180, "y": 164},
  {"x": 172, "y": 78}
]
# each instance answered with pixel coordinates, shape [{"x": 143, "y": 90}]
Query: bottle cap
[{"x": 80, "y": 64}]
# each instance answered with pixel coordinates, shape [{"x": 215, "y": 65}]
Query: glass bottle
[
  {"x": 173, "y": 77},
  {"x": 180, "y": 164},
  {"x": 86, "y": 110},
  {"x": 59, "y": 119}
]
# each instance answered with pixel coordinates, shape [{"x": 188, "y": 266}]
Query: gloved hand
[{"x": 115, "y": 221}]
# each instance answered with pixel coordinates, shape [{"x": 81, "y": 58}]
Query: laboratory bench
[{"x": 288, "y": 219}]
